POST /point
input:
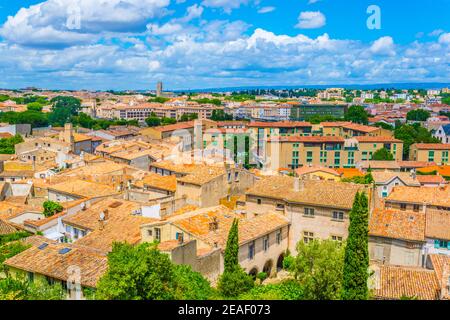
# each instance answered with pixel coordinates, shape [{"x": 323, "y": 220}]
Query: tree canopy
[
  {"x": 141, "y": 272},
  {"x": 418, "y": 115},
  {"x": 356, "y": 261},
  {"x": 382, "y": 154},
  {"x": 357, "y": 114},
  {"x": 413, "y": 133},
  {"x": 318, "y": 267}
]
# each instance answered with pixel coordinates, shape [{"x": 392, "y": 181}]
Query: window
[
  {"x": 416, "y": 207},
  {"x": 236, "y": 176},
  {"x": 251, "y": 250},
  {"x": 280, "y": 206},
  {"x": 157, "y": 234},
  {"x": 430, "y": 156},
  {"x": 229, "y": 176},
  {"x": 308, "y": 236},
  {"x": 279, "y": 236},
  {"x": 50, "y": 280},
  {"x": 338, "y": 215},
  {"x": 179, "y": 235},
  {"x": 150, "y": 232},
  {"x": 364, "y": 155},
  {"x": 403, "y": 206},
  {"x": 442, "y": 244},
  {"x": 309, "y": 156},
  {"x": 258, "y": 201},
  {"x": 266, "y": 243},
  {"x": 309, "y": 212},
  {"x": 336, "y": 238}
]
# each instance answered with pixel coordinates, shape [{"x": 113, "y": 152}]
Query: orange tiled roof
[
  {"x": 397, "y": 282},
  {"x": 349, "y": 172},
  {"x": 281, "y": 124},
  {"x": 377, "y": 139},
  {"x": 307, "y": 169},
  {"x": 442, "y": 170},
  {"x": 431, "y": 146},
  {"x": 49, "y": 261},
  {"x": 439, "y": 196},
  {"x": 322, "y": 193},
  {"x": 308, "y": 139},
  {"x": 397, "y": 224},
  {"x": 6, "y": 228},
  {"x": 438, "y": 224},
  {"x": 430, "y": 179}
]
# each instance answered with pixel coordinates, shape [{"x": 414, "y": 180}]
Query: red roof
[
  {"x": 281, "y": 124},
  {"x": 432, "y": 146},
  {"x": 309, "y": 139},
  {"x": 377, "y": 139}
]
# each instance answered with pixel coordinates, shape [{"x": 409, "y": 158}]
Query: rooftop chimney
[{"x": 214, "y": 225}]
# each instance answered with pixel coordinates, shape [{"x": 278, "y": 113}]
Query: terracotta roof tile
[
  {"x": 397, "y": 282},
  {"x": 397, "y": 224}
]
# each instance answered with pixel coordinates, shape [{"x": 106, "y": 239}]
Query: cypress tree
[
  {"x": 356, "y": 262},
  {"x": 231, "y": 259}
]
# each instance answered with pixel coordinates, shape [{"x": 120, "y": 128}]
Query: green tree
[
  {"x": 234, "y": 281},
  {"x": 356, "y": 262},
  {"x": 318, "y": 267},
  {"x": 357, "y": 114},
  {"x": 63, "y": 109},
  {"x": 231, "y": 255},
  {"x": 382, "y": 154},
  {"x": 418, "y": 115},
  {"x": 34, "y": 106},
  {"x": 51, "y": 208},
  {"x": 413, "y": 133},
  {"x": 7, "y": 145},
  {"x": 153, "y": 121},
  {"x": 191, "y": 285},
  {"x": 137, "y": 273},
  {"x": 19, "y": 288}
]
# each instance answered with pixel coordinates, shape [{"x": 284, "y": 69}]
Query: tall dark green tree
[
  {"x": 231, "y": 257},
  {"x": 356, "y": 261},
  {"x": 234, "y": 281}
]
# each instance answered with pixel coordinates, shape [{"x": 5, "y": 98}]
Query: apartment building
[
  {"x": 329, "y": 151},
  {"x": 431, "y": 152}
]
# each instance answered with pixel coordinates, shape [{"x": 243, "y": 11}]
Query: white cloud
[
  {"x": 444, "y": 38},
  {"x": 311, "y": 20},
  {"x": 266, "y": 10},
  {"x": 436, "y": 32},
  {"x": 226, "y": 5},
  {"x": 383, "y": 46},
  {"x": 46, "y": 24}
]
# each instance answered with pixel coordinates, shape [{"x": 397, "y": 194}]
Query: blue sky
[{"x": 132, "y": 44}]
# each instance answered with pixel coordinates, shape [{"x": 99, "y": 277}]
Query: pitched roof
[
  {"x": 280, "y": 124},
  {"x": 439, "y": 196},
  {"x": 320, "y": 193},
  {"x": 51, "y": 261},
  {"x": 312, "y": 169},
  {"x": 197, "y": 223},
  {"x": 121, "y": 225},
  {"x": 431, "y": 146},
  {"x": 83, "y": 188},
  {"x": 397, "y": 224},
  {"x": 384, "y": 177},
  {"x": 380, "y": 139},
  {"x": 153, "y": 180},
  {"x": 380, "y": 164},
  {"x": 397, "y": 282},
  {"x": 308, "y": 139},
  {"x": 430, "y": 179},
  {"x": 6, "y": 228},
  {"x": 438, "y": 224}
]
